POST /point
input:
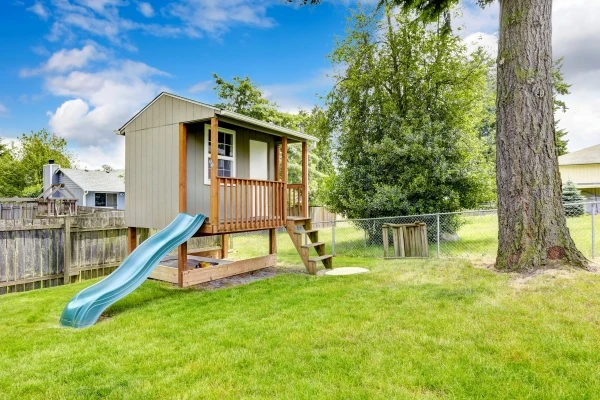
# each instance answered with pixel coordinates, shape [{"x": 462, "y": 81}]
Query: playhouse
[{"x": 183, "y": 156}]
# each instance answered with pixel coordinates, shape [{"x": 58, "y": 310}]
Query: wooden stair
[{"x": 300, "y": 228}]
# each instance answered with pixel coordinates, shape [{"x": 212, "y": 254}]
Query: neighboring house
[
  {"x": 583, "y": 168},
  {"x": 91, "y": 188}
]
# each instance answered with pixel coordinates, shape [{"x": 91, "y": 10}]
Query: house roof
[
  {"x": 96, "y": 181},
  {"x": 589, "y": 155},
  {"x": 228, "y": 114}
]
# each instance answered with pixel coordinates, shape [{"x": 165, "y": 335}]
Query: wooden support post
[
  {"x": 277, "y": 157},
  {"x": 284, "y": 175},
  {"x": 67, "y": 252},
  {"x": 182, "y": 250},
  {"x": 272, "y": 241},
  {"x": 182, "y": 167},
  {"x": 131, "y": 239},
  {"x": 214, "y": 159},
  {"x": 181, "y": 262},
  {"x": 305, "y": 179},
  {"x": 224, "y": 246}
]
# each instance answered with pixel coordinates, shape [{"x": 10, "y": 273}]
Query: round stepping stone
[{"x": 346, "y": 271}]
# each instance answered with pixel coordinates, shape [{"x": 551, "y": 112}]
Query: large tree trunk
[{"x": 531, "y": 220}]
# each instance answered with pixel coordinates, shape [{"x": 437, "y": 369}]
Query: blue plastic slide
[{"x": 85, "y": 308}]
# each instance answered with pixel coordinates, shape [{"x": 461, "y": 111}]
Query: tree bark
[{"x": 532, "y": 227}]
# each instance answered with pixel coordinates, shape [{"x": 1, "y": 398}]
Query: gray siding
[
  {"x": 152, "y": 161},
  {"x": 198, "y": 193},
  {"x": 76, "y": 190}
]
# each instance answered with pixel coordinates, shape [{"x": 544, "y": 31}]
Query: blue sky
[{"x": 81, "y": 68}]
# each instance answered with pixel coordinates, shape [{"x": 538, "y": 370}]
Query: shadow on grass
[{"x": 148, "y": 293}]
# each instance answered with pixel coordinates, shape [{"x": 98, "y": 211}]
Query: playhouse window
[{"x": 226, "y": 156}]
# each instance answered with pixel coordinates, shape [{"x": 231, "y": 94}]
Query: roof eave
[{"x": 284, "y": 131}]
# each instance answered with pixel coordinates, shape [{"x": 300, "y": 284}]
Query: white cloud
[
  {"x": 100, "y": 102},
  {"x": 93, "y": 157},
  {"x": 472, "y": 19},
  {"x": 194, "y": 18},
  {"x": 39, "y": 10},
  {"x": 489, "y": 43},
  {"x": 218, "y": 16},
  {"x": 200, "y": 86},
  {"x": 65, "y": 60},
  {"x": 146, "y": 9}
]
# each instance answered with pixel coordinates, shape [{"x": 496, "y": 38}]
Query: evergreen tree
[{"x": 570, "y": 195}]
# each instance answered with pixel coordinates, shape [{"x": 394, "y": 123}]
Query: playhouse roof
[
  {"x": 228, "y": 115},
  {"x": 96, "y": 181},
  {"x": 589, "y": 155}
]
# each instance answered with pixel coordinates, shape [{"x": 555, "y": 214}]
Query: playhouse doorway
[{"x": 259, "y": 169}]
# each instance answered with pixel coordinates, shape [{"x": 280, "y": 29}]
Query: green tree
[
  {"x": 9, "y": 181},
  {"x": 244, "y": 96},
  {"x": 406, "y": 108},
  {"x": 532, "y": 228},
  {"x": 570, "y": 195},
  {"x": 22, "y": 173}
]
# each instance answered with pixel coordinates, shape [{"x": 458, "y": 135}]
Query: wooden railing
[
  {"x": 248, "y": 204},
  {"x": 294, "y": 200}
]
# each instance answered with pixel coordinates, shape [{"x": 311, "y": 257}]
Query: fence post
[
  {"x": 594, "y": 207},
  {"x": 438, "y": 234},
  {"x": 333, "y": 238},
  {"x": 67, "y": 251}
]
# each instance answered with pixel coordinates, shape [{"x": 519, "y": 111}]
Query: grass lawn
[
  {"x": 478, "y": 239},
  {"x": 410, "y": 329}
]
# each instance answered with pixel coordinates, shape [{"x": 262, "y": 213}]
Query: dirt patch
[
  {"x": 524, "y": 280},
  {"x": 241, "y": 279}
]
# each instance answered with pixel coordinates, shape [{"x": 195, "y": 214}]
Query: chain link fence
[{"x": 467, "y": 234}]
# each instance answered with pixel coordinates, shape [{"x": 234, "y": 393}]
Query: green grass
[
  {"x": 410, "y": 329},
  {"x": 478, "y": 240}
]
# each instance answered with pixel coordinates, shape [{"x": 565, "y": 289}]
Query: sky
[{"x": 82, "y": 68}]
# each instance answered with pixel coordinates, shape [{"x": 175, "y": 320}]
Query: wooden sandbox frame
[{"x": 224, "y": 268}]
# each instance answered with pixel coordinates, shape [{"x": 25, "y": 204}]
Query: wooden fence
[
  {"x": 22, "y": 210},
  {"x": 44, "y": 252}
]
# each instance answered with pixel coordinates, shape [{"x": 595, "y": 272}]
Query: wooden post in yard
[
  {"x": 131, "y": 239},
  {"x": 305, "y": 179},
  {"x": 182, "y": 249},
  {"x": 224, "y": 246},
  {"x": 67, "y": 251},
  {"x": 272, "y": 241}
]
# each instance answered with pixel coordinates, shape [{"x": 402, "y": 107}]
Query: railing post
[
  {"x": 594, "y": 207},
  {"x": 333, "y": 238},
  {"x": 438, "y": 234}
]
